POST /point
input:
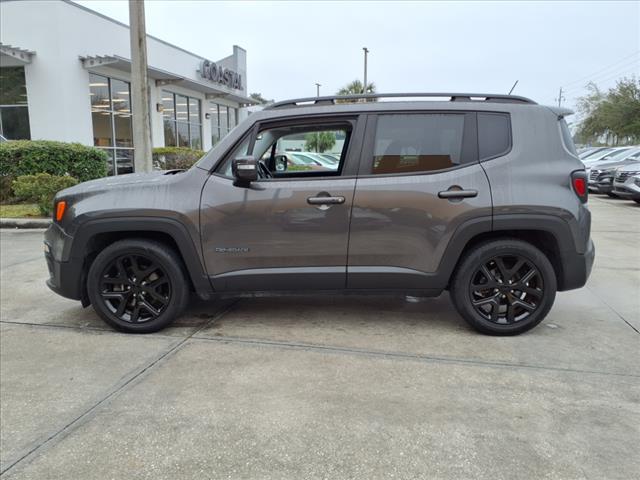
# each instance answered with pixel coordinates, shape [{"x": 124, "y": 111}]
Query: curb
[{"x": 25, "y": 222}]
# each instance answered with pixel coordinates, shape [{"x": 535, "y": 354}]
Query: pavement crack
[
  {"x": 69, "y": 427},
  {"x": 402, "y": 356},
  {"x": 613, "y": 310}
]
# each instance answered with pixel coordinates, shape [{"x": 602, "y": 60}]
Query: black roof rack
[{"x": 453, "y": 97}]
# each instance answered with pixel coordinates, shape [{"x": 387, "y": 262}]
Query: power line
[
  {"x": 606, "y": 78},
  {"x": 615, "y": 64}
]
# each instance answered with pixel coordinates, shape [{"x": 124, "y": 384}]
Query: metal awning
[
  {"x": 11, "y": 55},
  {"x": 162, "y": 77}
]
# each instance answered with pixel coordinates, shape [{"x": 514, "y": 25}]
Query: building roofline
[{"x": 122, "y": 24}]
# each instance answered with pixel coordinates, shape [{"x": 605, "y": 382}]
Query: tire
[
  {"x": 138, "y": 286},
  {"x": 494, "y": 307},
  {"x": 612, "y": 195},
  {"x": 637, "y": 200}
]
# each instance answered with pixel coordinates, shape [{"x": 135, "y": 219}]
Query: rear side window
[
  {"x": 406, "y": 143},
  {"x": 567, "y": 139},
  {"x": 494, "y": 135}
]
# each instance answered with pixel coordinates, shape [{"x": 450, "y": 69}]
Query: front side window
[
  {"x": 182, "y": 121},
  {"x": 14, "y": 112},
  {"x": 111, "y": 117},
  {"x": 408, "y": 143},
  {"x": 295, "y": 151}
]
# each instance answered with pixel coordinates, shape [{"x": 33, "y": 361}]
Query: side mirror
[
  {"x": 244, "y": 170},
  {"x": 281, "y": 163}
]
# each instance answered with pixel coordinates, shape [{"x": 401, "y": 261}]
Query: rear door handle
[
  {"x": 458, "y": 194},
  {"x": 325, "y": 200}
]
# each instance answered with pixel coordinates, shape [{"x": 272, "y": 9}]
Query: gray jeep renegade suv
[{"x": 481, "y": 195}]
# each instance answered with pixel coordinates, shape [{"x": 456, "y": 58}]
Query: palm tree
[{"x": 355, "y": 88}]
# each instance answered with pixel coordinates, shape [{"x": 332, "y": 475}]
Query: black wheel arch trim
[
  {"x": 576, "y": 262},
  {"x": 77, "y": 249}
]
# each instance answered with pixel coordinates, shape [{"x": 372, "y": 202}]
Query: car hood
[
  {"x": 131, "y": 180},
  {"x": 631, "y": 167}
]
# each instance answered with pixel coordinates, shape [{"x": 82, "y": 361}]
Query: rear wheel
[
  {"x": 504, "y": 287},
  {"x": 137, "y": 286}
]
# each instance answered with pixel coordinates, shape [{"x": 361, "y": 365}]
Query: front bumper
[
  {"x": 627, "y": 189},
  {"x": 603, "y": 185},
  {"x": 65, "y": 277}
]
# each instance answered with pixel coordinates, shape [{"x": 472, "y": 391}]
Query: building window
[
  {"x": 182, "y": 121},
  {"x": 14, "y": 113},
  {"x": 111, "y": 118},
  {"x": 223, "y": 119}
]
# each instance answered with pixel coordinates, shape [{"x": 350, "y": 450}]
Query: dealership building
[{"x": 66, "y": 72}]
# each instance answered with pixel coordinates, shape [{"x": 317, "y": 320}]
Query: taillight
[
  {"x": 61, "y": 206},
  {"x": 579, "y": 184}
]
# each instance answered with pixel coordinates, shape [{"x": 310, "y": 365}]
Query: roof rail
[{"x": 453, "y": 97}]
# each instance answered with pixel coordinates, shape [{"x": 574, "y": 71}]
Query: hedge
[
  {"x": 30, "y": 157},
  {"x": 41, "y": 188},
  {"x": 169, "y": 158}
]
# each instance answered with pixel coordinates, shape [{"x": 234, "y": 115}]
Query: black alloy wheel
[
  {"x": 135, "y": 288},
  {"x": 506, "y": 289},
  {"x": 138, "y": 285},
  {"x": 504, "y": 286}
]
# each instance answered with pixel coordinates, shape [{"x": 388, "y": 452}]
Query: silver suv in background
[
  {"x": 627, "y": 182},
  {"x": 428, "y": 195}
]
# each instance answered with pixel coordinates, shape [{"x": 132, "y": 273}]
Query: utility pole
[
  {"x": 317, "y": 133},
  {"x": 364, "y": 87},
  {"x": 140, "y": 88},
  {"x": 560, "y": 97}
]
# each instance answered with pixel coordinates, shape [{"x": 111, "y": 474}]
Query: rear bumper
[{"x": 576, "y": 268}]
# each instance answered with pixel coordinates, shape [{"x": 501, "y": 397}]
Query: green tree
[
  {"x": 319, "y": 141},
  {"x": 355, "y": 88},
  {"x": 614, "y": 115},
  {"x": 260, "y": 99}
]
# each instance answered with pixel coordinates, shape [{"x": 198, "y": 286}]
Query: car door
[
  {"x": 419, "y": 181},
  {"x": 289, "y": 232}
]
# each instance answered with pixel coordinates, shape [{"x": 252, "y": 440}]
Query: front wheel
[
  {"x": 504, "y": 287},
  {"x": 137, "y": 286}
]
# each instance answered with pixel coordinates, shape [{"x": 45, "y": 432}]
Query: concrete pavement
[{"x": 322, "y": 387}]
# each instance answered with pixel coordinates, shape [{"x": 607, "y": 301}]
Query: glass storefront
[
  {"x": 111, "y": 118},
  {"x": 223, "y": 119},
  {"x": 14, "y": 112},
  {"x": 182, "y": 121}
]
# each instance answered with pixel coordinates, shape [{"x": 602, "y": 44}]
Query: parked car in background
[
  {"x": 592, "y": 151},
  {"x": 599, "y": 152},
  {"x": 601, "y": 173},
  {"x": 626, "y": 183},
  {"x": 603, "y": 155}
]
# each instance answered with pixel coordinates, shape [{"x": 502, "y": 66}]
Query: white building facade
[{"x": 66, "y": 71}]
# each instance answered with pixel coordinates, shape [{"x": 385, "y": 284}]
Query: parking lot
[{"x": 325, "y": 387}]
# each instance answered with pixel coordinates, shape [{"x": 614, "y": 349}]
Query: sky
[{"x": 414, "y": 46}]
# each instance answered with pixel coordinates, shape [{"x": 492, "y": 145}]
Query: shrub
[
  {"x": 169, "y": 158},
  {"x": 27, "y": 157},
  {"x": 41, "y": 189}
]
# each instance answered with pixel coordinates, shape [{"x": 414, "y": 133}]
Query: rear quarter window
[{"x": 494, "y": 135}]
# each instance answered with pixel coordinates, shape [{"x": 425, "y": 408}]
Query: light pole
[
  {"x": 364, "y": 87},
  {"x": 140, "y": 88},
  {"x": 318, "y": 89},
  {"x": 318, "y": 133}
]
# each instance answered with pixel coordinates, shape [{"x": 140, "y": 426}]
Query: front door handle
[
  {"x": 458, "y": 193},
  {"x": 325, "y": 200}
]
